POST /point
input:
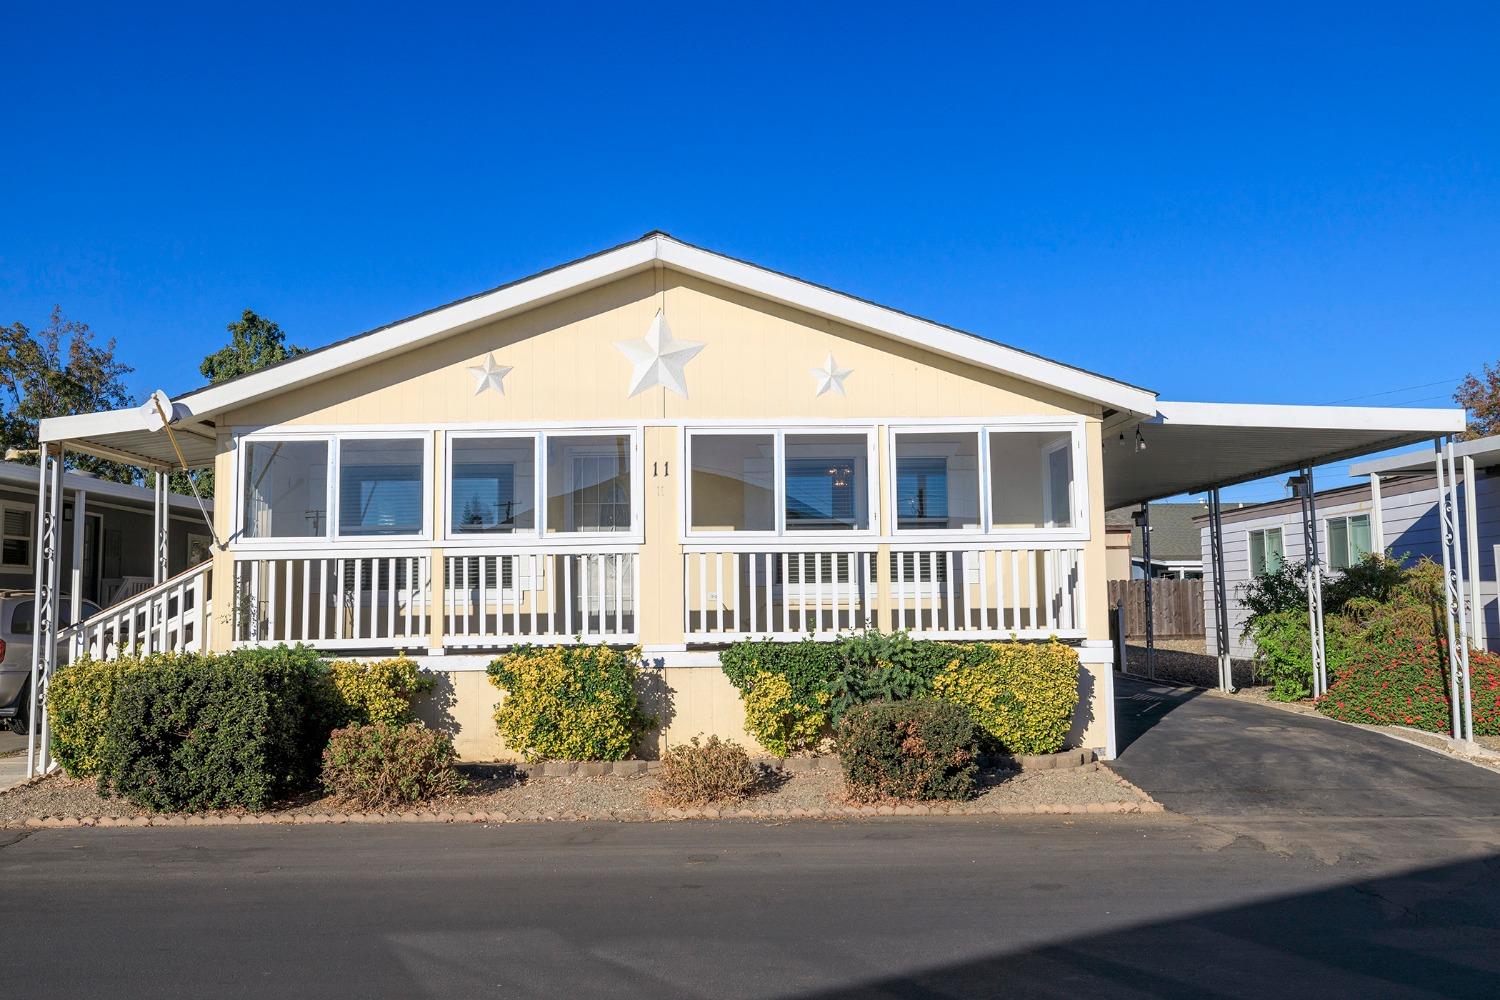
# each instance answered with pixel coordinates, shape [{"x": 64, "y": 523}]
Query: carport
[{"x": 1202, "y": 448}]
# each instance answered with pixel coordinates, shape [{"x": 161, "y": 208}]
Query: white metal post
[
  {"x": 75, "y": 570},
  {"x": 47, "y": 604},
  {"x": 159, "y": 535},
  {"x": 34, "y": 689},
  {"x": 1477, "y": 639},
  {"x": 1377, "y": 515},
  {"x": 1313, "y": 564},
  {"x": 1465, "y": 716},
  {"x": 1453, "y": 599}
]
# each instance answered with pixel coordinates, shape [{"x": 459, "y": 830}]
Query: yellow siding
[{"x": 756, "y": 366}]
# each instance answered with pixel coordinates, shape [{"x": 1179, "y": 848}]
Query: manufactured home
[{"x": 665, "y": 447}]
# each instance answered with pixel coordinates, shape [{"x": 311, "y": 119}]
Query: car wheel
[{"x": 20, "y": 723}]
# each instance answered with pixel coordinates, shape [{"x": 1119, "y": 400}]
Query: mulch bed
[{"x": 505, "y": 793}]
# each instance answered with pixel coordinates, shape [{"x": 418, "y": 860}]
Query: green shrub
[
  {"x": 379, "y": 692},
  {"x": 215, "y": 732},
  {"x": 879, "y": 666},
  {"x": 908, "y": 750},
  {"x": 697, "y": 773},
  {"x": 386, "y": 764},
  {"x": 1021, "y": 694},
  {"x": 780, "y": 721},
  {"x": 1283, "y": 650},
  {"x": 569, "y": 702},
  {"x": 78, "y": 704},
  {"x": 786, "y": 690}
]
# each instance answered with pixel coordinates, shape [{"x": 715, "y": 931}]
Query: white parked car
[{"x": 17, "y": 614}]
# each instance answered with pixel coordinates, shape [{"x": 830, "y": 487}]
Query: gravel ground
[
  {"x": 499, "y": 787},
  {"x": 1187, "y": 665}
]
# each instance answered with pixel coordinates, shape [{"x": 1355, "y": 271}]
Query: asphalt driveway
[{"x": 1206, "y": 755}]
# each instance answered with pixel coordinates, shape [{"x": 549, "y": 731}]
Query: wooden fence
[{"x": 1177, "y": 607}]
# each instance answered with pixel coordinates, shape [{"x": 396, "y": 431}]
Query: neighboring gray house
[
  {"x": 1397, "y": 514},
  {"x": 1175, "y": 549},
  {"x": 117, "y": 533}
]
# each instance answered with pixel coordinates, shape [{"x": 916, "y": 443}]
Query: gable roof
[{"x": 655, "y": 249}]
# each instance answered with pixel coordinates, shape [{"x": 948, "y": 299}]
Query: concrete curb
[{"x": 631, "y": 816}]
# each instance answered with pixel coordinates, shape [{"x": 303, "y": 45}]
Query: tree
[
  {"x": 1480, "y": 395},
  {"x": 254, "y": 343},
  {"x": 57, "y": 372}
]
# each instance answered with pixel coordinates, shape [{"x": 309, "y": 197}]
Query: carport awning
[
  {"x": 1193, "y": 447},
  {"x": 136, "y": 437}
]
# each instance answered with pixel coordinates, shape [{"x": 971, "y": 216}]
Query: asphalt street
[{"x": 1259, "y": 889}]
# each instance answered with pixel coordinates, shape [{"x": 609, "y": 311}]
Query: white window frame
[
  {"x": 331, "y": 439},
  {"x": 539, "y": 534},
  {"x": 538, "y": 498},
  {"x": 1348, "y": 536},
  {"x": 242, "y": 444},
  {"x": 778, "y": 435},
  {"x": 1079, "y": 530},
  {"x": 336, "y": 479},
  {"x": 30, "y": 509},
  {"x": 981, "y": 472},
  {"x": 1250, "y": 534}
]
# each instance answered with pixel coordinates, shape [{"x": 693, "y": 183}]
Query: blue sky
[{"x": 1289, "y": 203}]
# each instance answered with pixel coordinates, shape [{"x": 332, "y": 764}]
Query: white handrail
[{"x": 171, "y": 617}]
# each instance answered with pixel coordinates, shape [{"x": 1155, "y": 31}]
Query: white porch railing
[
  {"x": 170, "y": 617},
  {"x": 993, "y": 591},
  {"x": 961, "y": 590},
  {"x": 775, "y": 591},
  {"x": 491, "y": 598},
  {"x": 350, "y": 599},
  {"x": 502, "y": 597}
]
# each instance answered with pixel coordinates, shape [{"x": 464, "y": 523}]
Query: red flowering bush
[{"x": 1406, "y": 684}]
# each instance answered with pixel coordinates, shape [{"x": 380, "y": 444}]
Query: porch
[{"x": 474, "y": 600}]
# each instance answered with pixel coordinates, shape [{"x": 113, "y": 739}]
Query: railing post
[{"x": 437, "y": 601}]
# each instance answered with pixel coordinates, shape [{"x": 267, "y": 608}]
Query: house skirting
[{"x": 688, "y": 694}]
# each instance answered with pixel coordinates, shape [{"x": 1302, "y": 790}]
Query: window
[
  {"x": 15, "y": 536},
  {"x": 1348, "y": 540},
  {"x": 1031, "y": 479},
  {"x": 286, "y": 489},
  {"x": 381, "y": 486},
  {"x": 827, "y": 482},
  {"x": 493, "y": 485},
  {"x": 937, "y": 481},
  {"x": 733, "y": 482},
  {"x": 1266, "y": 553},
  {"x": 588, "y": 483}
]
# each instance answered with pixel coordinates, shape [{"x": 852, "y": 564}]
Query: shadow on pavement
[
  {"x": 1140, "y": 704},
  {"x": 1426, "y": 933}
]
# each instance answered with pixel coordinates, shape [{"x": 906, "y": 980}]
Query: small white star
[
  {"x": 830, "y": 376},
  {"x": 658, "y": 358},
  {"x": 489, "y": 375}
]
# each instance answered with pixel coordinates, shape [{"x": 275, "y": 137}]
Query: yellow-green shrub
[
  {"x": 78, "y": 702},
  {"x": 380, "y": 692},
  {"x": 1022, "y": 694},
  {"x": 569, "y": 702},
  {"x": 781, "y": 722}
]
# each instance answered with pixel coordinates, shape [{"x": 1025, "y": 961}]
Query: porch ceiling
[{"x": 1193, "y": 447}]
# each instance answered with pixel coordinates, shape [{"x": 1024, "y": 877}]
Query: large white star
[
  {"x": 489, "y": 375},
  {"x": 830, "y": 376},
  {"x": 658, "y": 358}
]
